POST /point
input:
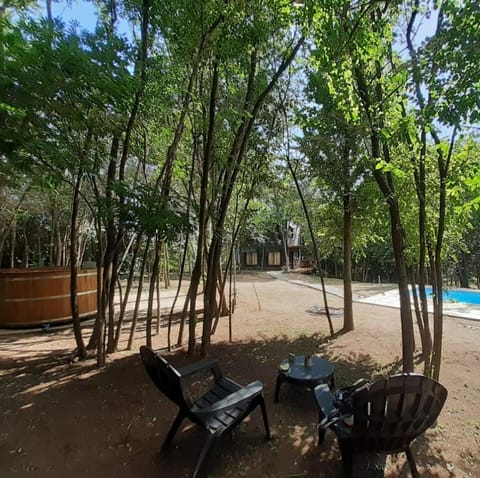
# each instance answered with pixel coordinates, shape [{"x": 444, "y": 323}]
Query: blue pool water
[{"x": 466, "y": 296}]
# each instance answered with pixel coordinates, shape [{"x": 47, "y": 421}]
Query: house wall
[{"x": 268, "y": 257}]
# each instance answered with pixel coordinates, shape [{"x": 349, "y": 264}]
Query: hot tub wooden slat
[{"x": 37, "y": 296}]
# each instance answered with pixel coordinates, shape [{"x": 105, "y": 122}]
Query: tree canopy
[{"x": 190, "y": 126}]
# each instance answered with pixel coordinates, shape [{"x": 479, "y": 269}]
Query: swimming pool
[{"x": 455, "y": 295}]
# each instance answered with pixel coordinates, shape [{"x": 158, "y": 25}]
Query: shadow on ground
[{"x": 60, "y": 418}]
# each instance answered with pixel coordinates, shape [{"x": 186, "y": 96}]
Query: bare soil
[{"x": 63, "y": 418}]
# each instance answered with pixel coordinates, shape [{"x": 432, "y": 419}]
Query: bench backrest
[{"x": 394, "y": 411}]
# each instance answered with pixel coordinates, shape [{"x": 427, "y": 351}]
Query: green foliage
[
  {"x": 55, "y": 85},
  {"x": 65, "y": 94},
  {"x": 334, "y": 145},
  {"x": 143, "y": 209},
  {"x": 450, "y": 67}
]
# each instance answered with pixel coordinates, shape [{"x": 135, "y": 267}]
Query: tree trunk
[
  {"x": 166, "y": 267},
  {"x": 223, "y": 308},
  {"x": 82, "y": 352},
  {"x": 39, "y": 241},
  {"x": 420, "y": 182},
  {"x": 157, "y": 331},
  {"x": 26, "y": 259},
  {"x": 443, "y": 168},
  {"x": 347, "y": 264},
  {"x": 151, "y": 290},
  {"x": 386, "y": 185},
  {"x": 172, "y": 309},
  {"x": 210, "y": 293},
  {"x": 139, "y": 295},
  {"x": 230, "y": 302},
  {"x": 314, "y": 244},
  {"x": 131, "y": 275},
  {"x": 13, "y": 244},
  {"x": 228, "y": 176},
  {"x": 462, "y": 271},
  {"x": 231, "y": 262},
  {"x": 191, "y": 303},
  {"x": 207, "y": 157},
  {"x": 95, "y": 336},
  {"x": 98, "y": 335},
  {"x": 195, "y": 154},
  {"x": 52, "y": 253},
  {"x": 111, "y": 245},
  {"x": 285, "y": 246},
  {"x": 11, "y": 221},
  {"x": 111, "y": 303},
  {"x": 49, "y": 11},
  {"x": 405, "y": 306}
]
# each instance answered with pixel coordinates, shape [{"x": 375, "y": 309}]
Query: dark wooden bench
[
  {"x": 220, "y": 408},
  {"x": 387, "y": 416}
]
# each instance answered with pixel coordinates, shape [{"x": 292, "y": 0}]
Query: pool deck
[{"x": 390, "y": 298}]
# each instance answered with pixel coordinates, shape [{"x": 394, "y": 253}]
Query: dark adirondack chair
[
  {"x": 223, "y": 406},
  {"x": 387, "y": 416}
]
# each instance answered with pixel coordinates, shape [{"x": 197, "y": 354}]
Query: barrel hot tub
[{"x": 30, "y": 297}]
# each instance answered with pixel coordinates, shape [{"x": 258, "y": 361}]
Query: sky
[{"x": 79, "y": 11}]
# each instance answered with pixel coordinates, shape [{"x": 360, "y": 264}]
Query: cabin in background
[{"x": 273, "y": 250}]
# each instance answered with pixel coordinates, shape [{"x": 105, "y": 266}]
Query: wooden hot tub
[{"x": 30, "y": 297}]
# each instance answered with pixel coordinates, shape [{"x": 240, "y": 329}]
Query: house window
[
  {"x": 274, "y": 258},
  {"x": 251, "y": 258}
]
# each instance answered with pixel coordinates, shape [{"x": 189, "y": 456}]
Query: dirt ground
[{"x": 61, "y": 418}]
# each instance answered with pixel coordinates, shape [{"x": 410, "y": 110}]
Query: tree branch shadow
[{"x": 119, "y": 419}]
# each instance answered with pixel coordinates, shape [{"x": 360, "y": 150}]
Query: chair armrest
[
  {"x": 360, "y": 383},
  {"x": 244, "y": 394},
  {"x": 325, "y": 399},
  {"x": 332, "y": 417},
  {"x": 200, "y": 366}
]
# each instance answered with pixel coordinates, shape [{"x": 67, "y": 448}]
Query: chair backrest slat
[{"x": 395, "y": 410}]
